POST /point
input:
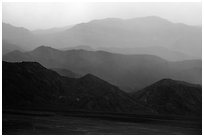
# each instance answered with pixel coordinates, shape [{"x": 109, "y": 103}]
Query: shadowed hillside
[
  {"x": 172, "y": 97},
  {"x": 66, "y": 73},
  {"x": 32, "y": 86},
  {"x": 126, "y": 71}
]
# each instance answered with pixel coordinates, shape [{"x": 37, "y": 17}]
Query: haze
[
  {"x": 102, "y": 68},
  {"x": 48, "y": 15}
]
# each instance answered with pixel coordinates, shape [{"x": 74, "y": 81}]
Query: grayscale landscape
[{"x": 120, "y": 72}]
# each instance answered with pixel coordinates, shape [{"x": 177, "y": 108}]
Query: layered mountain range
[
  {"x": 129, "y": 72},
  {"x": 29, "y": 85},
  {"x": 146, "y": 35},
  {"x": 91, "y": 66},
  {"x": 67, "y": 73}
]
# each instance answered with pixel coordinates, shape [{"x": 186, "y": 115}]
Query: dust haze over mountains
[
  {"x": 123, "y": 52},
  {"x": 129, "y": 72},
  {"x": 143, "y": 68},
  {"x": 146, "y": 35}
]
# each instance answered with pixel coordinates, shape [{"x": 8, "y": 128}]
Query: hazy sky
[{"x": 48, "y": 15}]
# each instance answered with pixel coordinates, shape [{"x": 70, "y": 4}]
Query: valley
[{"x": 78, "y": 123}]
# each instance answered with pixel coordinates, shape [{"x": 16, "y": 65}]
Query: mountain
[
  {"x": 165, "y": 53},
  {"x": 137, "y": 32},
  {"x": 126, "y": 71},
  {"x": 29, "y": 85},
  {"x": 169, "y": 96},
  {"x": 51, "y": 30},
  {"x": 8, "y": 47},
  {"x": 84, "y": 47},
  {"x": 162, "y": 52},
  {"x": 19, "y": 36},
  {"x": 65, "y": 72},
  {"x": 120, "y": 33}
]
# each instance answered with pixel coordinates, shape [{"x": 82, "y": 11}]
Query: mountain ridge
[
  {"x": 169, "y": 96},
  {"x": 46, "y": 89},
  {"x": 137, "y": 32},
  {"x": 111, "y": 67}
]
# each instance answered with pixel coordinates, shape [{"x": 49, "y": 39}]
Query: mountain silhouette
[
  {"x": 126, "y": 71},
  {"x": 143, "y": 32},
  {"x": 8, "y": 47},
  {"x": 29, "y": 85},
  {"x": 163, "y": 52},
  {"x": 19, "y": 36},
  {"x": 169, "y": 96},
  {"x": 67, "y": 73},
  {"x": 50, "y": 30}
]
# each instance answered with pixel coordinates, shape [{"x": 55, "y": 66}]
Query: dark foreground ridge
[
  {"x": 169, "y": 96},
  {"x": 30, "y": 85},
  {"x": 37, "y": 100}
]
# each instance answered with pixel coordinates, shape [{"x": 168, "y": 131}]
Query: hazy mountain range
[
  {"x": 8, "y": 47},
  {"x": 51, "y": 30},
  {"x": 144, "y": 72},
  {"x": 146, "y": 35},
  {"x": 28, "y": 85},
  {"x": 92, "y": 64},
  {"x": 129, "y": 72}
]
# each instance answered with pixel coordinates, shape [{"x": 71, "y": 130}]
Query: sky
[{"x": 49, "y": 15}]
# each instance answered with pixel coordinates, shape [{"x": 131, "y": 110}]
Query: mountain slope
[
  {"x": 19, "y": 36},
  {"x": 51, "y": 30},
  {"x": 8, "y": 47},
  {"x": 172, "y": 97},
  {"x": 138, "y": 32},
  {"x": 162, "y": 52},
  {"x": 66, "y": 73},
  {"x": 118, "y": 33},
  {"x": 30, "y": 85},
  {"x": 126, "y": 71}
]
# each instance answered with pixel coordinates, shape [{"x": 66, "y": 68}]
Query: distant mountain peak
[
  {"x": 6, "y": 24},
  {"x": 44, "y": 48},
  {"x": 166, "y": 80},
  {"x": 83, "y": 47},
  {"x": 154, "y": 17},
  {"x": 151, "y": 19},
  {"x": 145, "y": 18},
  {"x": 90, "y": 77},
  {"x": 10, "y": 26},
  {"x": 106, "y": 20},
  {"x": 169, "y": 82}
]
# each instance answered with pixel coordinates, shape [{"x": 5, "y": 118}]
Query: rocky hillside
[
  {"x": 30, "y": 85},
  {"x": 172, "y": 97}
]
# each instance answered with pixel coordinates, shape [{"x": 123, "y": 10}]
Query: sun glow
[{"x": 79, "y": 10}]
